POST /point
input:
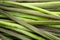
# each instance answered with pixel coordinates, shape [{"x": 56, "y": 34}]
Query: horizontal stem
[
  {"x": 22, "y": 31},
  {"x": 32, "y": 12},
  {"x": 34, "y": 29},
  {"x": 42, "y": 5},
  {"x": 14, "y": 34},
  {"x": 29, "y": 6},
  {"x": 13, "y": 25},
  {"x": 45, "y": 4},
  {"x": 25, "y": 16}
]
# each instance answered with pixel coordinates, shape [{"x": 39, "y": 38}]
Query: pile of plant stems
[{"x": 29, "y": 21}]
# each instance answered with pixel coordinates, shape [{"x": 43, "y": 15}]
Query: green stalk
[
  {"x": 50, "y": 29},
  {"x": 12, "y": 33},
  {"x": 7, "y": 31},
  {"x": 29, "y": 16},
  {"x": 25, "y": 11},
  {"x": 55, "y": 26},
  {"x": 28, "y": 26},
  {"x": 41, "y": 22},
  {"x": 58, "y": 35},
  {"x": 54, "y": 9},
  {"x": 45, "y": 22},
  {"x": 13, "y": 25},
  {"x": 21, "y": 31},
  {"x": 56, "y": 13},
  {"x": 44, "y": 28},
  {"x": 36, "y": 30},
  {"x": 25, "y": 16},
  {"x": 29, "y": 6},
  {"x": 0, "y": 39},
  {"x": 3, "y": 21},
  {"x": 45, "y": 4}
]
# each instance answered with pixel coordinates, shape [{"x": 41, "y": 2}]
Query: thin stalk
[
  {"x": 44, "y": 28},
  {"x": 55, "y": 4},
  {"x": 26, "y": 33},
  {"x": 29, "y": 16},
  {"x": 14, "y": 34},
  {"x": 25, "y": 11},
  {"x": 56, "y": 34},
  {"x": 0, "y": 39},
  {"x": 55, "y": 26},
  {"x": 50, "y": 29},
  {"x": 45, "y": 22},
  {"x": 14, "y": 25},
  {"x": 29, "y": 6},
  {"x": 56, "y": 13},
  {"x": 10, "y": 21},
  {"x": 42, "y": 5},
  {"x": 36, "y": 30},
  {"x": 25, "y": 16},
  {"x": 51, "y": 22},
  {"x": 53, "y": 8}
]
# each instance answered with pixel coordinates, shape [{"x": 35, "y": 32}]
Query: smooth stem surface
[
  {"x": 30, "y": 16},
  {"x": 26, "y": 16},
  {"x": 45, "y": 22},
  {"x": 31, "y": 12},
  {"x": 49, "y": 29},
  {"x": 39, "y": 22},
  {"x": 12, "y": 33},
  {"x": 55, "y": 4},
  {"x": 52, "y": 8},
  {"x": 29, "y": 6},
  {"x": 23, "y": 31},
  {"x": 55, "y": 26},
  {"x": 45, "y": 4},
  {"x": 25, "y": 19},
  {"x": 36, "y": 30},
  {"x": 14, "y": 25}
]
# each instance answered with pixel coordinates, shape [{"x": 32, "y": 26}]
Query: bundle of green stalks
[{"x": 29, "y": 21}]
